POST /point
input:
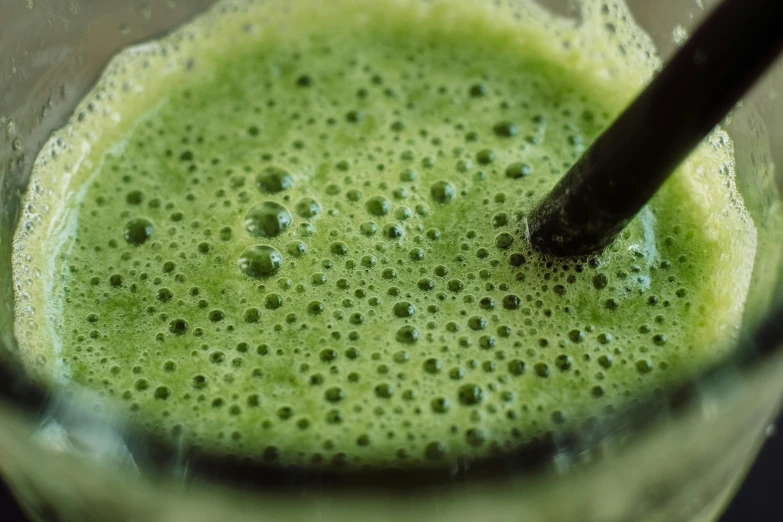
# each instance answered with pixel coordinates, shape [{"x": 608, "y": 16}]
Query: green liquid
[{"x": 303, "y": 240}]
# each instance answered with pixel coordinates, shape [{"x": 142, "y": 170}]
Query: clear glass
[{"x": 677, "y": 460}]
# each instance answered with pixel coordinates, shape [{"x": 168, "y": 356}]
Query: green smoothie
[{"x": 295, "y": 231}]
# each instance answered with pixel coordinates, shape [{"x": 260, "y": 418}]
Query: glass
[{"x": 677, "y": 459}]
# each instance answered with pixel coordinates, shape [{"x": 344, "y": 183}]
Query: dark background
[{"x": 759, "y": 500}]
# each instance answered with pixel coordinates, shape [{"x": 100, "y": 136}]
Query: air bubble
[
  {"x": 425, "y": 284},
  {"x": 504, "y": 240},
  {"x": 600, "y": 281},
  {"x": 518, "y": 170},
  {"x": 338, "y": 248},
  {"x": 407, "y": 335},
  {"x": 455, "y": 285},
  {"x": 296, "y": 248},
  {"x": 440, "y": 405},
  {"x": 505, "y": 129},
  {"x": 178, "y": 326},
  {"x": 443, "y": 192},
  {"x": 378, "y": 206},
  {"x": 511, "y": 302},
  {"x": 354, "y": 116},
  {"x": 416, "y": 254},
  {"x": 260, "y": 261},
  {"x": 285, "y": 412},
  {"x": 470, "y": 394},
  {"x": 328, "y": 354},
  {"x": 138, "y": 231},
  {"x": 334, "y": 417},
  {"x": 315, "y": 307},
  {"x": 135, "y": 197},
  {"x": 477, "y": 323},
  {"x": 487, "y": 342},
  {"x": 393, "y": 231},
  {"x": 273, "y": 180},
  {"x": 164, "y": 295},
  {"x": 516, "y": 367},
  {"x": 500, "y": 220},
  {"x": 432, "y": 365},
  {"x": 308, "y": 208},
  {"x": 404, "y": 309},
  {"x": 334, "y": 395},
  {"x": 564, "y": 362},
  {"x": 644, "y": 366},
  {"x": 485, "y": 157},
  {"x": 384, "y": 390},
  {"x": 516, "y": 259},
  {"x": 408, "y": 175},
  {"x": 368, "y": 228},
  {"x": 268, "y": 219},
  {"x": 478, "y": 90},
  {"x": 226, "y": 234}
]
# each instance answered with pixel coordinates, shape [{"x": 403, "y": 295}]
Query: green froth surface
[{"x": 306, "y": 244}]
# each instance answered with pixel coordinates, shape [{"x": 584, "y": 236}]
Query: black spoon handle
[{"x": 629, "y": 162}]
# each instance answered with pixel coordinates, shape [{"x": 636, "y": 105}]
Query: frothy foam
[{"x": 300, "y": 240}]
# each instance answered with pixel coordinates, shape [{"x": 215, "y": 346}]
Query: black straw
[{"x": 629, "y": 162}]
